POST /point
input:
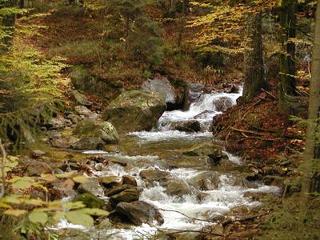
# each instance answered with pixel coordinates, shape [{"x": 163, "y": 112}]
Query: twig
[
  {"x": 3, "y": 162},
  {"x": 247, "y": 131},
  {"x": 192, "y": 218},
  {"x": 268, "y": 93}
]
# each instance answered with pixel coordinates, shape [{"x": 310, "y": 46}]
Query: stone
[
  {"x": 63, "y": 142},
  {"x": 37, "y": 153},
  {"x": 88, "y": 143},
  {"x": 87, "y": 113},
  {"x": 110, "y": 181},
  {"x": 80, "y": 98},
  {"x": 129, "y": 180},
  {"x": 155, "y": 174},
  {"x": 90, "y": 200},
  {"x": 135, "y": 110},
  {"x": 128, "y": 195},
  {"x": 139, "y": 212},
  {"x": 205, "y": 181},
  {"x": 222, "y": 104},
  {"x": 162, "y": 86},
  {"x": 36, "y": 168},
  {"x": 91, "y": 186},
  {"x": 177, "y": 187},
  {"x": 58, "y": 122},
  {"x": 99, "y": 129},
  {"x": 188, "y": 126}
]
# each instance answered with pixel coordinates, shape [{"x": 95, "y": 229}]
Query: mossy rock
[
  {"x": 103, "y": 130},
  {"x": 135, "y": 110},
  {"x": 89, "y": 200}
]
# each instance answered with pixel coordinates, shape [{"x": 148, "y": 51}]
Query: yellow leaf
[{"x": 15, "y": 212}]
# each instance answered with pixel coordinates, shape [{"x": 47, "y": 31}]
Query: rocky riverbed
[{"x": 156, "y": 172}]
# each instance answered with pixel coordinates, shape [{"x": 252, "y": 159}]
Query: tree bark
[
  {"x": 311, "y": 182},
  {"x": 254, "y": 70},
  {"x": 287, "y": 16}
]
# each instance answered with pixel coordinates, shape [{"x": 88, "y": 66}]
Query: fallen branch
[
  {"x": 247, "y": 131},
  {"x": 268, "y": 93}
]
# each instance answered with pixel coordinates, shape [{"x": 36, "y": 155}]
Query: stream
[{"x": 162, "y": 149}]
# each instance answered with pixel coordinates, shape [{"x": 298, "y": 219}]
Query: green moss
[{"x": 90, "y": 200}]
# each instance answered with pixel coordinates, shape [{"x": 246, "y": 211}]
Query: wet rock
[
  {"x": 195, "y": 91},
  {"x": 90, "y": 200},
  {"x": 139, "y": 212},
  {"x": 102, "y": 130},
  {"x": 85, "y": 112},
  {"x": 80, "y": 98},
  {"x": 222, "y": 104},
  {"x": 129, "y": 180},
  {"x": 152, "y": 175},
  {"x": 110, "y": 181},
  {"x": 88, "y": 143},
  {"x": 177, "y": 187},
  {"x": 233, "y": 89},
  {"x": 205, "y": 149},
  {"x": 135, "y": 110},
  {"x": 162, "y": 86},
  {"x": 130, "y": 194},
  {"x": 91, "y": 186},
  {"x": 188, "y": 126},
  {"x": 37, "y": 153},
  {"x": 205, "y": 181}
]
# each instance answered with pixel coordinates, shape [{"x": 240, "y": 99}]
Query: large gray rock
[
  {"x": 139, "y": 212},
  {"x": 162, "y": 86},
  {"x": 177, "y": 187},
  {"x": 222, "y": 104},
  {"x": 205, "y": 181},
  {"x": 135, "y": 110},
  {"x": 102, "y": 130},
  {"x": 129, "y": 194}
]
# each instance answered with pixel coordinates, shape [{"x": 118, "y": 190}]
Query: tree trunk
[
  {"x": 312, "y": 152},
  {"x": 287, "y": 86},
  {"x": 254, "y": 69}
]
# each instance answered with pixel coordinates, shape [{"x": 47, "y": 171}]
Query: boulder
[
  {"x": 89, "y": 200},
  {"x": 102, "y": 130},
  {"x": 162, "y": 86},
  {"x": 152, "y": 175},
  {"x": 177, "y": 187},
  {"x": 205, "y": 181},
  {"x": 91, "y": 186},
  {"x": 88, "y": 143},
  {"x": 188, "y": 126},
  {"x": 129, "y": 180},
  {"x": 135, "y": 110},
  {"x": 222, "y": 104},
  {"x": 129, "y": 194},
  {"x": 85, "y": 112},
  {"x": 80, "y": 98},
  {"x": 139, "y": 212},
  {"x": 37, "y": 153},
  {"x": 58, "y": 122},
  {"x": 110, "y": 181}
]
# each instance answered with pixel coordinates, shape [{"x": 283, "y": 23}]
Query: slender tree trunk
[
  {"x": 312, "y": 153},
  {"x": 254, "y": 70},
  {"x": 287, "y": 86}
]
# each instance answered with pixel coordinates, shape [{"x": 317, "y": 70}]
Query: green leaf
[
  {"x": 22, "y": 182},
  {"x": 38, "y": 217},
  {"x": 94, "y": 211},
  {"x": 80, "y": 218}
]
